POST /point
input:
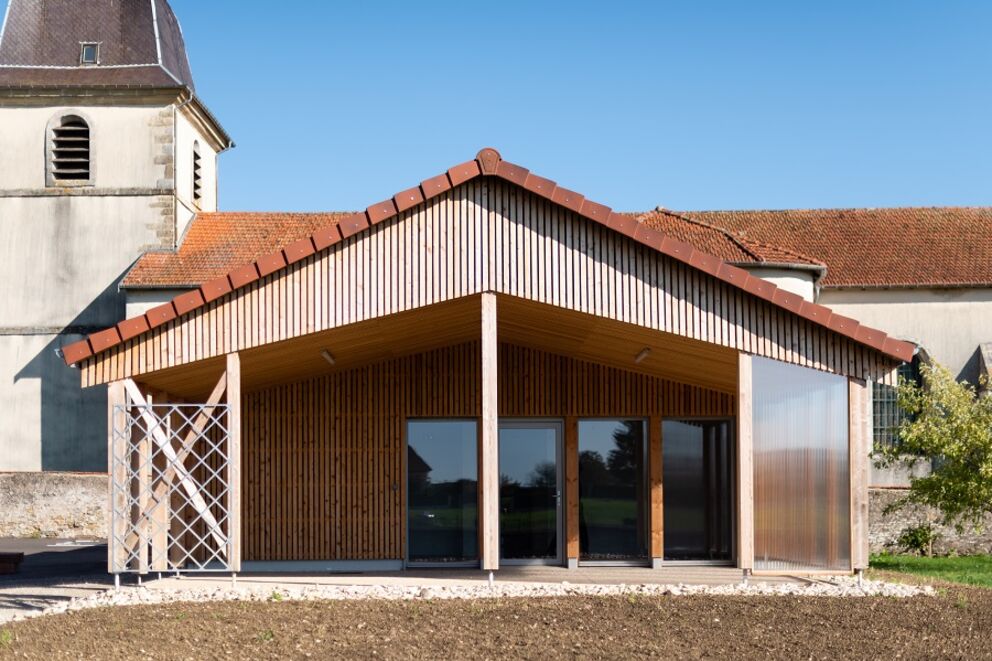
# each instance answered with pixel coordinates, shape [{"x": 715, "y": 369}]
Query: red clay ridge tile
[
  {"x": 104, "y": 339},
  {"x": 540, "y": 185},
  {"x": 161, "y": 314},
  {"x": 326, "y": 237},
  {"x": 242, "y": 276},
  {"x": 622, "y": 223},
  {"x": 463, "y": 172},
  {"x": 843, "y": 325},
  {"x": 680, "y": 250},
  {"x": 760, "y": 288},
  {"x": 380, "y": 212},
  {"x": 594, "y": 211},
  {"x": 512, "y": 173},
  {"x": 215, "y": 288},
  {"x": 270, "y": 263},
  {"x": 488, "y": 159},
  {"x": 904, "y": 351},
  {"x": 298, "y": 250},
  {"x": 435, "y": 186},
  {"x": 732, "y": 274},
  {"x": 871, "y": 337},
  {"x": 132, "y": 327},
  {"x": 408, "y": 199},
  {"x": 568, "y": 199},
  {"x": 187, "y": 302},
  {"x": 788, "y": 300},
  {"x": 77, "y": 351},
  {"x": 353, "y": 224},
  {"x": 814, "y": 312},
  {"x": 705, "y": 262}
]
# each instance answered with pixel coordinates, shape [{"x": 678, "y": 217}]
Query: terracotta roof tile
[
  {"x": 217, "y": 243},
  {"x": 874, "y": 248}
]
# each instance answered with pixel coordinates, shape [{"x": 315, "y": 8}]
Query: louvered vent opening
[
  {"x": 71, "y": 151},
  {"x": 197, "y": 175}
]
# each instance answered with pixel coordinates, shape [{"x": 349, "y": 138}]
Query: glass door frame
[
  {"x": 558, "y": 425},
  {"x": 735, "y": 489}
]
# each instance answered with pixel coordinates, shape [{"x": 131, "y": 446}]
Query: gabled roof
[
  {"x": 876, "y": 248},
  {"x": 488, "y": 162},
  {"x": 141, "y": 44}
]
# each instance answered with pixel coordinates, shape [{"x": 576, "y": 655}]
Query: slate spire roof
[{"x": 140, "y": 44}]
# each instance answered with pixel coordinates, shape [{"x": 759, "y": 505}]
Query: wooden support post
[
  {"x": 572, "y": 491},
  {"x": 144, "y": 487},
  {"x": 234, "y": 459},
  {"x": 159, "y": 515},
  {"x": 116, "y": 456},
  {"x": 655, "y": 469},
  {"x": 489, "y": 459},
  {"x": 745, "y": 465},
  {"x": 860, "y": 441}
]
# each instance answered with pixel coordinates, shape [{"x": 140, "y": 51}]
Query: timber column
[
  {"x": 234, "y": 460},
  {"x": 745, "y": 465},
  {"x": 489, "y": 438}
]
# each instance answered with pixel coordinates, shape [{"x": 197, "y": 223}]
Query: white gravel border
[{"x": 136, "y": 596}]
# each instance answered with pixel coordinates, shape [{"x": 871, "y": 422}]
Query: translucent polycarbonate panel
[
  {"x": 699, "y": 490},
  {"x": 802, "y": 516},
  {"x": 613, "y": 495},
  {"x": 442, "y": 478}
]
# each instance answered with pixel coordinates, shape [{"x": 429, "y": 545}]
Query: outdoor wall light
[
  {"x": 642, "y": 356},
  {"x": 328, "y": 357}
]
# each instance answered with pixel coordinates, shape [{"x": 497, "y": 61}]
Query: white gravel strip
[{"x": 134, "y": 596}]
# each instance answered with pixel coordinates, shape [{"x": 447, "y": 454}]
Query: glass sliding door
[
  {"x": 443, "y": 492},
  {"x": 530, "y": 492},
  {"x": 802, "y": 487},
  {"x": 613, "y": 494},
  {"x": 698, "y": 482}
]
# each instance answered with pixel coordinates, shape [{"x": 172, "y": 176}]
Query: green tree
[{"x": 949, "y": 424}]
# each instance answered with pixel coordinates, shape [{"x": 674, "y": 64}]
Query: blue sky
[{"x": 689, "y": 105}]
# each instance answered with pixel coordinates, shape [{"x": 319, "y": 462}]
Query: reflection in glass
[
  {"x": 801, "y": 468},
  {"x": 442, "y": 477},
  {"x": 528, "y": 492},
  {"x": 612, "y": 490},
  {"x": 698, "y": 489}
]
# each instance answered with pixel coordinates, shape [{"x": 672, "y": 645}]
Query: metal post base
[
  {"x": 492, "y": 579},
  {"x": 117, "y": 581},
  {"x": 745, "y": 576}
]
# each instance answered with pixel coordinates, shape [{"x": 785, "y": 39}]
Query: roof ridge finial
[{"x": 488, "y": 159}]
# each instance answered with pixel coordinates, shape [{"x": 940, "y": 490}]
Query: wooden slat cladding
[
  {"x": 323, "y": 458},
  {"x": 487, "y": 235}
]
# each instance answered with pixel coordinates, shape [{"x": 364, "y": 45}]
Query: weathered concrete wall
[
  {"x": 68, "y": 505},
  {"x": 948, "y": 323},
  {"x": 884, "y": 529}
]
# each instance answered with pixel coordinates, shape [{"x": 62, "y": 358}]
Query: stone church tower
[{"x": 105, "y": 153}]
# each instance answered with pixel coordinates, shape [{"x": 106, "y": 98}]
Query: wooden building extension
[{"x": 490, "y": 295}]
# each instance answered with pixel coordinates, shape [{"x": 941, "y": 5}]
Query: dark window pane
[
  {"x": 528, "y": 492},
  {"x": 442, "y": 474},
  {"x": 699, "y": 489},
  {"x": 612, "y": 490}
]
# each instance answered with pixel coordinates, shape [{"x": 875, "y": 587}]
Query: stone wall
[
  {"x": 67, "y": 505},
  {"x": 884, "y": 530}
]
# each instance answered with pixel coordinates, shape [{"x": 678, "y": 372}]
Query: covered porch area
[{"x": 486, "y": 432}]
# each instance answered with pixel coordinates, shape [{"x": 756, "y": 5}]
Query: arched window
[
  {"x": 69, "y": 152},
  {"x": 197, "y": 174}
]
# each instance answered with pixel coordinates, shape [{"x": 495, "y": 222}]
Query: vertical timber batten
[
  {"x": 745, "y": 465},
  {"x": 234, "y": 459},
  {"x": 489, "y": 457},
  {"x": 116, "y": 419},
  {"x": 859, "y": 403}
]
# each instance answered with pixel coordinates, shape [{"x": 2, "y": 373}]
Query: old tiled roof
[
  {"x": 722, "y": 243},
  {"x": 487, "y": 162},
  {"x": 876, "y": 248},
  {"x": 141, "y": 44},
  {"x": 217, "y": 242}
]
